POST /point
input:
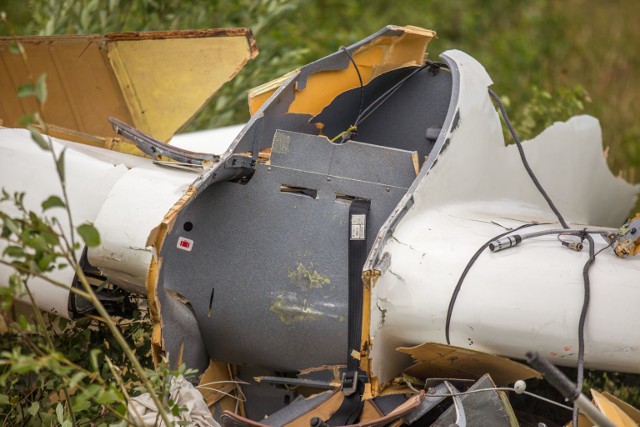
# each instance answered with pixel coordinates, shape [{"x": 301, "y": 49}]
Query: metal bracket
[
  {"x": 461, "y": 419},
  {"x": 349, "y": 382},
  {"x": 236, "y": 168},
  {"x": 155, "y": 148},
  {"x": 627, "y": 240},
  {"x": 237, "y": 161}
]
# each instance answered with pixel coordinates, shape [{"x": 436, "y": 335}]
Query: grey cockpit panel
[{"x": 272, "y": 255}]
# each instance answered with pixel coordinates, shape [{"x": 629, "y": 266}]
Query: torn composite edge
[
  {"x": 103, "y": 41},
  {"x": 297, "y": 81},
  {"x": 155, "y": 241},
  {"x": 334, "y": 62},
  {"x": 389, "y": 37},
  {"x": 146, "y": 35},
  {"x": 374, "y": 265}
]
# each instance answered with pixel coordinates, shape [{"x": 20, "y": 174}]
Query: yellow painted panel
[
  {"x": 382, "y": 54},
  {"x": 612, "y": 411},
  {"x": 82, "y": 89},
  {"x": 155, "y": 81},
  {"x": 632, "y": 412},
  {"x": 258, "y": 95},
  {"x": 444, "y": 361},
  {"x": 165, "y": 82}
]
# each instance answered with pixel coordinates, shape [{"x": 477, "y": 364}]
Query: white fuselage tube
[{"x": 124, "y": 196}]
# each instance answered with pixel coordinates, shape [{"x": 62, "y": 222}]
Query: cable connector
[
  {"x": 627, "y": 240},
  {"x": 505, "y": 242},
  {"x": 574, "y": 246}
]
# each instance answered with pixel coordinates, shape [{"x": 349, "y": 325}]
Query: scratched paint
[
  {"x": 290, "y": 309},
  {"x": 307, "y": 278},
  {"x": 293, "y": 305}
]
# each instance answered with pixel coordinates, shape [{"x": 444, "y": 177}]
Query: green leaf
[
  {"x": 60, "y": 164},
  {"x": 76, "y": 378},
  {"x": 89, "y": 235},
  {"x": 52, "y": 202},
  {"x": 25, "y": 90},
  {"x": 8, "y": 222},
  {"x": 40, "y": 89},
  {"x": 60, "y": 413},
  {"x": 34, "y": 408},
  {"x": 67, "y": 423},
  {"x": 93, "y": 357},
  {"x": 36, "y": 242},
  {"x": 50, "y": 238},
  {"x": 175, "y": 409},
  {"x": 91, "y": 390},
  {"x": 26, "y": 120},
  {"x": 22, "y": 321},
  {"x": 13, "y": 251},
  {"x": 81, "y": 406},
  {"x": 105, "y": 397},
  {"x": 33, "y": 267},
  {"x": 4, "y": 399},
  {"x": 44, "y": 264},
  {"x": 38, "y": 138}
]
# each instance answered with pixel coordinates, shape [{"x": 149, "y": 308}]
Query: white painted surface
[
  {"x": 520, "y": 299},
  {"x": 136, "y": 204},
  {"x": 212, "y": 141},
  {"x": 24, "y": 167},
  {"x": 124, "y": 196}
]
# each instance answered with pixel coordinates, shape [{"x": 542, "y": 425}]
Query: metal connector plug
[
  {"x": 505, "y": 242},
  {"x": 574, "y": 246}
]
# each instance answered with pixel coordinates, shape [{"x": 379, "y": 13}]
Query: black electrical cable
[
  {"x": 533, "y": 177},
  {"x": 585, "y": 304},
  {"x": 583, "y": 318},
  {"x": 380, "y": 100},
  {"x": 587, "y": 266},
  {"x": 371, "y": 108},
  {"x": 473, "y": 259},
  {"x": 516, "y": 239},
  {"x": 389, "y": 92},
  {"x": 585, "y": 270},
  {"x": 359, "y": 78}
]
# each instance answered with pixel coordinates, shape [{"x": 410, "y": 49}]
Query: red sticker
[{"x": 185, "y": 244}]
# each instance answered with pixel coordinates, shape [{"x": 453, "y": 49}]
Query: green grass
[
  {"x": 548, "y": 58},
  {"x": 540, "y": 43}
]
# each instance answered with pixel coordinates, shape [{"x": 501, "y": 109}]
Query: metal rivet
[
  {"x": 269, "y": 168},
  {"x": 328, "y": 179},
  {"x": 388, "y": 189}
]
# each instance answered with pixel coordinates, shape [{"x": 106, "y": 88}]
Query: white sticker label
[
  {"x": 358, "y": 227},
  {"x": 185, "y": 244}
]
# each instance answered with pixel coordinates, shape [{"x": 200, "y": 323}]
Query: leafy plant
[
  {"x": 46, "y": 385},
  {"x": 546, "y": 107},
  {"x": 538, "y": 44}
]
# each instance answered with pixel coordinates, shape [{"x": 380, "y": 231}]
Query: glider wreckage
[{"x": 364, "y": 246}]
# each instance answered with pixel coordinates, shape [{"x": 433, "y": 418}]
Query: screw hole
[{"x": 188, "y": 226}]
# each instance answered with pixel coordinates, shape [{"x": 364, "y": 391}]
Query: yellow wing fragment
[{"x": 155, "y": 81}]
